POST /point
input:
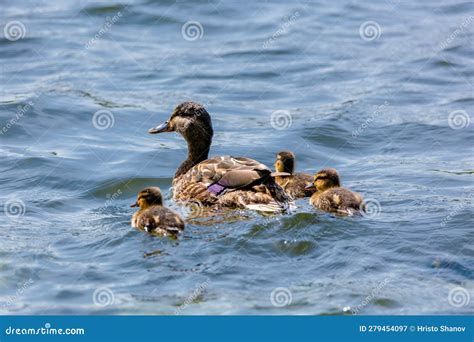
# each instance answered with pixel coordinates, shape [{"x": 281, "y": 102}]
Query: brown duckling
[
  {"x": 297, "y": 185},
  {"x": 330, "y": 196},
  {"x": 153, "y": 217},
  {"x": 223, "y": 181}
]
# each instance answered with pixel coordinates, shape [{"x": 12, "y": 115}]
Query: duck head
[
  {"x": 325, "y": 179},
  {"x": 148, "y": 197},
  {"x": 193, "y": 122},
  {"x": 285, "y": 162}
]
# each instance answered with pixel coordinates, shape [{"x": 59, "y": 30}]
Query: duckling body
[
  {"x": 332, "y": 197},
  {"x": 339, "y": 200},
  {"x": 153, "y": 217},
  {"x": 225, "y": 180},
  {"x": 296, "y": 185}
]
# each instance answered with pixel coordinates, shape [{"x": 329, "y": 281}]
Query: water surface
[{"x": 378, "y": 106}]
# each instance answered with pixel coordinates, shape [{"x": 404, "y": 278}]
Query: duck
[
  {"x": 296, "y": 185},
  {"x": 331, "y": 197},
  {"x": 223, "y": 181},
  {"x": 153, "y": 217}
]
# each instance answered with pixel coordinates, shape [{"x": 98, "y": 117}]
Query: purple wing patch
[{"x": 215, "y": 188}]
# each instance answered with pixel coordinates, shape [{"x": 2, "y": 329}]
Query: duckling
[
  {"x": 224, "y": 181},
  {"x": 297, "y": 185},
  {"x": 153, "y": 217},
  {"x": 332, "y": 197}
]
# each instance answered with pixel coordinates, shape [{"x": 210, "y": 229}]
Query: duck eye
[{"x": 185, "y": 114}]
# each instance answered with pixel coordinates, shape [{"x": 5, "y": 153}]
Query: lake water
[{"x": 382, "y": 91}]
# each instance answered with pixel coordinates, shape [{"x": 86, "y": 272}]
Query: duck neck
[{"x": 197, "y": 152}]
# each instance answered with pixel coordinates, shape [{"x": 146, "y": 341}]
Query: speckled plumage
[
  {"x": 340, "y": 200},
  {"x": 226, "y": 181},
  {"x": 332, "y": 197},
  {"x": 158, "y": 220},
  {"x": 153, "y": 217},
  {"x": 297, "y": 184}
]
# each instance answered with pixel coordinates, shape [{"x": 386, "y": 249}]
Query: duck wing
[{"x": 212, "y": 178}]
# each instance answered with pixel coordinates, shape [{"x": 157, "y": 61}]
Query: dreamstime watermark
[
  {"x": 103, "y": 119},
  {"x": 20, "y": 112},
  {"x": 109, "y": 22},
  {"x": 198, "y": 291},
  {"x": 371, "y": 208},
  {"x": 370, "y": 30},
  {"x": 459, "y": 297},
  {"x": 192, "y": 30},
  {"x": 280, "y": 297},
  {"x": 108, "y": 202},
  {"x": 20, "y": 290},
  {"x": 457, "y": 209},
  {"x": 460, "y": 29},
  {"x": 378, "y": 110},
  {"x": 14, "y": 208},
  {"x": 14, "y": 30},
  {"x": 367, "y": 300},
  {"x": 110, "y": 199},
  {"x": 416, "y": 203},
  {"x": 459, "y": 119},
  {"x": 283, "y": 29},
  {"x": 103, "y": 296},
  {"x": 46, "y": 330},
  {"x": 281, "y": 119}
]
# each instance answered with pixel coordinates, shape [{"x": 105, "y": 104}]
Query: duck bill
[
  {"x": 310, "y": 187},
  {"x": 163, "y": 127},
  {"x": 134, "y": 205}
]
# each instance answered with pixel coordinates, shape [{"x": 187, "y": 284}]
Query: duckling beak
[
  {"x": 134, "y": 205},
  {"x": 311, "y": 187},
  {"x": 163, "y": 127}
]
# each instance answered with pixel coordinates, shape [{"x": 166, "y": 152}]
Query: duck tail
[
  {"x": 277, "y": 192},
  {"x": 269, "y": 208}
]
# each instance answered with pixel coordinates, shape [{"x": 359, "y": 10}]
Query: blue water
[{"x": 391, "y": 109}]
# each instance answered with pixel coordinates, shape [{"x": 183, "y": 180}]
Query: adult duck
[{"x": 225, "y": 181}]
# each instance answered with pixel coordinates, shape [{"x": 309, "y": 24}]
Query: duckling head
[
  {"x": 192, "y": 121},
  {"x": 285, "y": 162},
  {"x": 326, "y": 178},
  {"x": 148, "y": 197}
]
